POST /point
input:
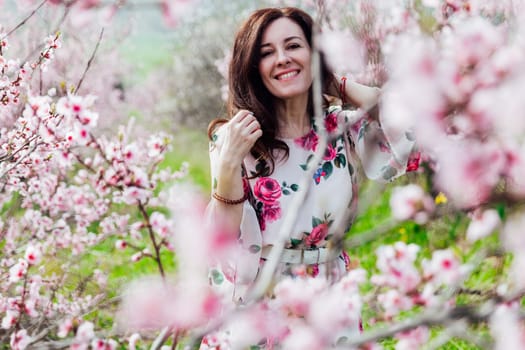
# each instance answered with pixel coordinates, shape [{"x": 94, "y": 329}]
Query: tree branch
[
  {"x": 90, "y": 61},
  {"x": 24, "y": 20}
]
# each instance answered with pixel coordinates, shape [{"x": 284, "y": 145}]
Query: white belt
[{"x": 303, "y": 256}]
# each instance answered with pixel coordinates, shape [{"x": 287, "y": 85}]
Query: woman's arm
[
  {"x": 362, "y": 96},
  {"x": 237, "y": 138}
]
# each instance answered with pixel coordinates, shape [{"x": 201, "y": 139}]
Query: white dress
[{"x": 332, "y": 193}]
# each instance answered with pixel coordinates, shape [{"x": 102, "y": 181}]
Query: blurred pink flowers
[{"x": 411, "y": 202}]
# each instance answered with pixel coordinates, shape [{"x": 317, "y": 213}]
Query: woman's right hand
[{"x": 240, "y": 134}]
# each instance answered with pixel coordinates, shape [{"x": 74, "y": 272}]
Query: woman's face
[{"x": 285, "y": 64}]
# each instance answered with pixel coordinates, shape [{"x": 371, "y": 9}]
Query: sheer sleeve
[
  {"x": 383, "y": 151},
  {"x": 242, "y": 268}
]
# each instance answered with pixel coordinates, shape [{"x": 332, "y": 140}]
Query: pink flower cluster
[
  {"x": 411, "y": 202},
  {"x": 457, "y": 90},
  {"x": 61, "y": 182},
  {"x": 303, "y": 313},
  {"x": 405, "y": 285}
]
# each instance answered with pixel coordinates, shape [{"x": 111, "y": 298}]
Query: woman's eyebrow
[{"x": 285, "y": 40}]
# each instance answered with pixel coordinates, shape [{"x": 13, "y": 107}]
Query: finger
[
  {"x": 241, "y": 115},
  {"x": 257, "y": 134},
  {"x": 253, "y": 126}
]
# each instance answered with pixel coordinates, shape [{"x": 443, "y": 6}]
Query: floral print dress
[{"x": 333, "y": 189}]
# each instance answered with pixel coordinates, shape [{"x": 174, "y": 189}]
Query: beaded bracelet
[
  {"x": 229, "y": 201},
  {"x": 342, "y": 90}
]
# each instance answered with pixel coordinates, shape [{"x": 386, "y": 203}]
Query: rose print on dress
[
  {"x": 309, "y": 141},
  {"x": 330, "y": 122},
  {"x": 267, "y": 192},
  {"x": 271, "y": 212},
  {"x": 330, "y": 153},
  {"x": 317, "y": 234}
]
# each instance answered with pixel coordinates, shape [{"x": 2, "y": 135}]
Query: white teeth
[{"x": 287, "y": 75}]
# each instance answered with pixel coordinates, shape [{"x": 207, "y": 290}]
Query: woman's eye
[
  {"x": 266, "y": 53},
  {"x": 294, "y": 46}
]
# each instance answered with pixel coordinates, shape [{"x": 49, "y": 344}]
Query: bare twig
[
  {"x": 90, "y": 61},
  {"x": 156, "y": 246},
  {"x": 24, "y": 20},
  {"x": 161, "y": 338}
]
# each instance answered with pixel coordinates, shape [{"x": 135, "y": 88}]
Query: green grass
[{"x": 191, "y": 146}]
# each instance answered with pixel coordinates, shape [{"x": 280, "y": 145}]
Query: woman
[{"x": 259, "y": 155}]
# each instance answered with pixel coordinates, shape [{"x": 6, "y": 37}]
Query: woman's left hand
[{"x": 362, "y": 96}]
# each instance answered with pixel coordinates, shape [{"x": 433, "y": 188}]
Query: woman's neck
[{"x": 293, "y": 119}]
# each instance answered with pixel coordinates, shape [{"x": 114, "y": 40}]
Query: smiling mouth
[{"x": 288, "y": 75}]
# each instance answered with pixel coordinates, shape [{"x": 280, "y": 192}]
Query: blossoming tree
[{"x": 450, "y": 71}]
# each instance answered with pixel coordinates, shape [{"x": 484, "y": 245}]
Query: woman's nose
[{"x": 282, "y": 57}]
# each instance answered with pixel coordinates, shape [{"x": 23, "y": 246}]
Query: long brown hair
[{"x": 246, "y": 88}]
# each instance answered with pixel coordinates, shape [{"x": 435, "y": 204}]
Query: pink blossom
[
  {"x": 18, "y": 271},
  {"x": 85, "y": 333},
  {"x": 393, "y": 302},
  {"x": 152, "y": 303},
  {"x": 256, "y": 323},
  {"x": 99, "y": 344},
  {"x": 444, "y": 268},
  {"x": 161, "y": 224},
  {"x": 133, "y": 195},
  {"x": 216, "y": 341},
  {"x": 338, "y": 47},
  {"x": 301, "y": 337},
  {"x": 137, "y": 256},
  {"x": 295, "y": 295},
  {"x": 155, "y": 145},
  {"x": 468, "y": 171},
  {"x": 64, "y": 328},
  {"x": 30, "y": 306},
  {"x": 411, "y": 202},
  {"x": 483, "y": 224},
  {"x": 335, "y": 311},
  {"x": 475, "y": 40},
  {"x": 10, "y": 319},
  {"x": 121, "y": 244},
  {"x": 33, "y": 255},
  {"x": 20, "y": 340},
  {"x": 396, "y": 264}
]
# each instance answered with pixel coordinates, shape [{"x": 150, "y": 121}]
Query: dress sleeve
[
  {"x": 384, "y": 152},
  {"x": 243, "y": 267}
]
